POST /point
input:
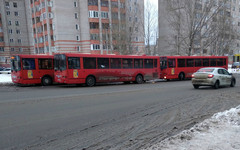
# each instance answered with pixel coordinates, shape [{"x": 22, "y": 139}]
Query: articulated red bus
[
  {"x": 91, "y": 69},
  {"x": 181, "y": 67},
  {"x": 32, "y": 69}
]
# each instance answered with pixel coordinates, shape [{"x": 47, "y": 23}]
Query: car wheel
[
  {"x": 196, "y": 86},
  {"x": 46, "y": 81},
  {"x": 216, "y": 85},
  {"x": 90, "y": 81},
  {"x": 139, "y": 79},
  {"x": 233, "y": 82}
]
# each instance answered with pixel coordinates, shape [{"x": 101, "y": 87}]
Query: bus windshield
[
  {"x": 163, "y": 62},
  {"x": 60, "y": 62},
  {"x": 15, "y": 63}
]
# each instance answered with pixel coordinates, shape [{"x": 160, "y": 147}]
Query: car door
[
  {"x": 221, "y": 77},
  {"x": 227, "y": 77}
]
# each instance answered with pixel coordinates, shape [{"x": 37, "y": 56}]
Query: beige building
[
  {"x": 15, "y": 29},
  {"x": 85, "y": 26}
]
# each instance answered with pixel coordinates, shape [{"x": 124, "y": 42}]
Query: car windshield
[{"x": 205, "y": 70}]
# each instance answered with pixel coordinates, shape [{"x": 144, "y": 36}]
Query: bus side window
[
  {"x": 115, "y": 63},
  {"x": 181, "y": 63},
  {"x": 205, "y": 62},
  {"x": 213, "y": 62},
  {"x": 28, "y": 63},
  {"x": 127, "y": 63},
  {"x": 138, "y": 63},
  {"x": 103, "y": 63},
  {"x": 198, "y": 62},
  {"x": 45, "y": 63},
  {"x": 220, "y": 62},
  {"x": 89, "y": 63},
  {"x": 190, "y": 62},
  {"x": 73, "y": 63},
  {"x": 171, "y": 63},
  {"x": 148, "y": 63}
]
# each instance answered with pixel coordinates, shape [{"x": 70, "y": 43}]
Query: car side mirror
[{"x": 230, "y": 73}]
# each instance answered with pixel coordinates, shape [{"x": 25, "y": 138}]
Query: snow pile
[
  {"x": 5, "y": 78},
  {"x": 220, "y": 132}
]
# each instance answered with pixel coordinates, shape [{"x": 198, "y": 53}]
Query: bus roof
[
  {"x": 34, "y": 56},
  {"x": 184, "y": 57},
  {"x": 108, "y": 56}
]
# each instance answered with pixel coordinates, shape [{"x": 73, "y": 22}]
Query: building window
[
  {"x": 94, "y": 25},
  {"x": 95, "y": 47},
  {"x": 20, "y": 49},
  {"x": 78, "y": 38},
  {"x": 12, "y": 49},
  {"x": 77, "y": 27},
  {"x": 1, "y": 49},
  {"x": 9, "y": 23},
  {"x": 75, "y": 4},
  {"x": 7, "y": 4},
  {"x": 8, "y": 13},
  {"x": 10, "y": 31},
  {"x": 104, "y": 15},
  {"x": 16, "y": 13},
  {"x": 94, "y": 36},
  {"x": 15, "y": 4},
  {"x": 93, "y": 2},
  {"x": 17, "y": 23},
  {"x": 1, "y": 39},
  {"x": 19, "y": 40},
  {"x": 78, "y": 49},
  {"x": 18, "y": 31},
  {"x": 104, "y": 3},
  {"x": 93, "y": 14},
  {"x": 76, "y": 15}
]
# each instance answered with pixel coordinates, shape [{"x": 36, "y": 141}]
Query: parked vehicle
[
  {"x": 236, "y": 65},
  {"x": 5, "y": 71},
  {"x": 214, "y": 77}
]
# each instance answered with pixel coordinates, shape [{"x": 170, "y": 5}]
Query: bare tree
[
  {"x": 150, "y": 24},
  {"x": 199, "y": 25}
]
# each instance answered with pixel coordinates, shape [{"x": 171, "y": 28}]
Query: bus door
[
  {"x": 29, "y": 69},
  {"x": 45, "y": 66},
  {"x": 73, "y": 67}
]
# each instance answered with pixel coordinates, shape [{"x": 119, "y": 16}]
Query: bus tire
[
  {"x": 181, "y": 76},
  {"x": 90, "y": 81},
  {"x": 139, "y": 79},
  {"x": 46, "y": 80}
]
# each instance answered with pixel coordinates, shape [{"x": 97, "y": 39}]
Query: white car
[
  {"x": 5, "y": 71},
  {"x": 214, "y": 77}
]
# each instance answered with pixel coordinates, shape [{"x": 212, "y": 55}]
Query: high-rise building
[
  {"x": 15, "y": 29},
  {"x": 208, "y": 28},
  {"x": 86, "y": 26}
]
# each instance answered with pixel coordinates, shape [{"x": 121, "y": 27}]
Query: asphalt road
[{"x": 121, "y": 116}]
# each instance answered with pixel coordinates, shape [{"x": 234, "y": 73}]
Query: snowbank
[
  {"x": 5, "y": 79},
  {"x": 220, "y": 132}
]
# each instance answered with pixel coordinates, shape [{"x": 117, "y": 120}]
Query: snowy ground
[
  {"x": 220, "y": 132},
  {"x": 5, "y": 78}
]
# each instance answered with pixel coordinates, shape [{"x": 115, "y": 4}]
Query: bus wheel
[
  {"x": 139, "y": 79},
  {"x": 90, "y": 81},
  {"x": 46, "y": 81},
  {"x": 181, "y": 76}
]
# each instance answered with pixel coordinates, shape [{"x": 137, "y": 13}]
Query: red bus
[
  {"x": 181, "y": 67},
  {"x": 91, "y": 69},
  {"x": 32, "y": 69}
]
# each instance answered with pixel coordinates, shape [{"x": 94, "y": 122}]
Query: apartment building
[
  {"x": 213, "y": 34},
  {"x": 15, "y": 29},
  {"x": 85, "y": 26}
]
